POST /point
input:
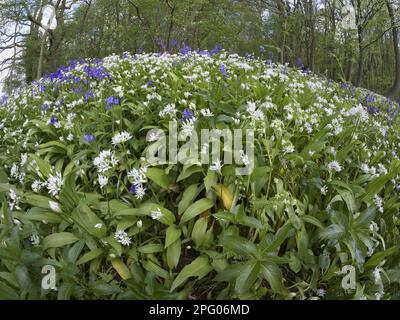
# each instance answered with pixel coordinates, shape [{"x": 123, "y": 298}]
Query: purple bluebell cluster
[
  {"x": 370, "y": 102},
  {"x": 54, "y": 120},
  {"x": 112, "y": 101},
  {"x": 187, "y": 115},
  {"x": 217, "y": 49},
  {"x": 96, "y": 72},
  {"x": 270, "y": 57},
  {"x": 88, "y": 94},
  {"x": 3, "y": 100},
  {"x": 222, "y": 69},
  {"x": 89, "y": 137},
  {"x": 185, "y": 50}
]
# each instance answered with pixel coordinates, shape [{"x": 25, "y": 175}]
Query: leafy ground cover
[{"x": 77, "y": 193}]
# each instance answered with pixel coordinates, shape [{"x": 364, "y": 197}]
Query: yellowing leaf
[
  {"x": 225, "y": 195},
  {"x": 121, "y": 268}
]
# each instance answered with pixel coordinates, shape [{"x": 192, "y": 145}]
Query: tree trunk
[
  {"x": 395, "y": 89},
  {"x": 360, "y": 58}
]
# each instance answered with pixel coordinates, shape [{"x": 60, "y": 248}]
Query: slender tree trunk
[
  {"x": 41, "y": 56},
  {"x": 395, "y": 89},
  {"x": 360, "y": 58}
]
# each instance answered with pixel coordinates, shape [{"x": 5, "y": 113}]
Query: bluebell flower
[
  {"x": 223, "y": 71},
  {"x": 187, "y": 115},
  {"x": 89, "y": 137},
  {"x": 299, "y": 63},
  {"x": 217, "y": 49},
  {"x": 54, "y": 120},
  {"x": 185, "y": 50},
  {"x": 4, "y": 100},
  {"x": 112, "y": 101},
  {"x": 132, "y": 189},
  {"x": 43, "y": 88},
  {"x": 88, "y": 94},
  {"x": 262, "y": 49},
  {"x": 162, "y": 45}
]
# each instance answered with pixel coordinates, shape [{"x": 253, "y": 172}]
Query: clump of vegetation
[{"x": 77, "y": 192}]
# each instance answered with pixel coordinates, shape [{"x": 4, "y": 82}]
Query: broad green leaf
[
  {"x": 198, "y": 268},
  {"x": 195, "y": 209},
  {"x": 151, "y": 248},
  {"x": 174, "y": 254},
  {"x": 89, "y": 221},
  {"x": 210, "y": 180},
  {"x": 247, "y": 276},
  {"x": 159, "y": 177},
  {"x": 239, "y": 246},
  {"x": 188, "y": 197},
  {"x": 57, "y": 240},
  {"x": 89, "y": 256},
  {"x": 121, "y": 268},
  {"x": 199, "y": 231},
  {"x": 172, "y": 234}
]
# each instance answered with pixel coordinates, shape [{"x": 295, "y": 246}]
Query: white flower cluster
[
  {"x": 105, "y": 161},
  {"x": 123, "y": 238},
  {"x": 55, "y": 184},
  {"x": 121, "y": 138},
  {"x": 139, "y": 178}
]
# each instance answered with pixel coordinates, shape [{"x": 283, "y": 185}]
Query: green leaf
[
  {"x": 151, "y": 248},
  {"x": 199, "y": 231},
  {"x": 198, "y": 268},
  {"x": 348, "y": 198},
  {"x": 174, "y": 254},
  {"x": 89, "y": 221},
  {"x": 239, "y": 246},
  {"x": 333, "y": 232},
  {"x": 312, "y": 220},
  {"x": 187, "y": 171},
  {"x": 8, "y": 293},
  {"x": 40, "y": 214},
  {"x": 280, "y": 237},
  {"x": 57, "y": 240},
  {"x": 44, "y": 166},
  {"x": 188, "y": 197},
  {"x": 210, "y": 180},
  {"x": 172, "y": 234},
  {"x": 380, "y": 256},
  {"x": 376, "y": 186},
  {"x": 247, "y": 276},
  {"x": 89, "y": 256},
  {"x": 195, "y": 209},
  {"x": 159, "y": 177}
]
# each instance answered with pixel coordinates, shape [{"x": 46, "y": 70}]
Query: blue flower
[
  {"x": 89, "y": 137},
  {"x": 216, "y": 50},
  {"x": 187, "y": 115},
  {"x": 299, "y": 63},
  {"x": 185, "y": 50},
  {"x": 223, "y": 71},
  {"x": 112, "y": 101},
  {"x": 45, "y": 107},
  {"x": 88, "y": 94},
  {"x": 53, "y": 120},
  {"x": 4, "y": 100}
]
